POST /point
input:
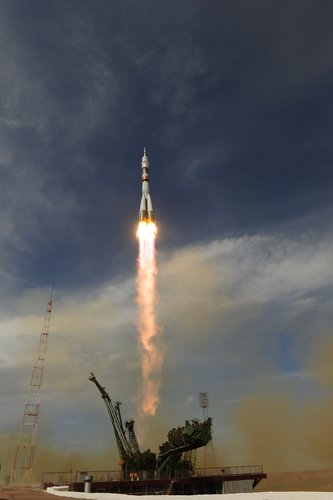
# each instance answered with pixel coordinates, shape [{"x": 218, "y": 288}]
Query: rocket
[{"x": 146, "y": 207}]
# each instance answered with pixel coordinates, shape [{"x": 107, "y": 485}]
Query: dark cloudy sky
[{"x": 233, "y": 101}]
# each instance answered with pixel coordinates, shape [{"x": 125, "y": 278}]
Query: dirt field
[
  {"x": 298, "y": 481},
  {"x": 24, "y": 493}
]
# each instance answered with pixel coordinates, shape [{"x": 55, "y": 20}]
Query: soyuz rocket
[{"x": 146, "y": 207}]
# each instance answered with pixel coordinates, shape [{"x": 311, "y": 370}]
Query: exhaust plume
[{"x": 151, "y": 357}]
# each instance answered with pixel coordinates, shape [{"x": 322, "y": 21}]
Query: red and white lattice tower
[{"x": 25, "y": 450}]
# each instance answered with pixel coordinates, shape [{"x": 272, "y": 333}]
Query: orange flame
[{"x": 151, "y": 358}]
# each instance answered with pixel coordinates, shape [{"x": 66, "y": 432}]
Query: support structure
[
  {"x": 203, "y": 401},
  {"x": 25, "y": 450},
  {"x": 174, "y": 455},
  {"x": 117, "y": 423},
  {"x": 209, "y": 459}
]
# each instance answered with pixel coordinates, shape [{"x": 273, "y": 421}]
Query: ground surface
[
  {"x": 265, "y": 495},
  {"x": 298, "y": 481},
  {"x": 24, "y": 493}
]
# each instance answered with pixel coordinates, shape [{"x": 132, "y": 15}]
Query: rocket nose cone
[{"x": 145, "y": 157}]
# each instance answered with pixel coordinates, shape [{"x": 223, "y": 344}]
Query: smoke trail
[{"x": 151, "y": 358}]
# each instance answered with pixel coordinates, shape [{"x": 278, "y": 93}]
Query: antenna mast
[{"x": 25, "y": 450}]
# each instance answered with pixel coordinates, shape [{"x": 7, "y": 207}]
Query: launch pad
[
  {"x": 172, "y": 471},
  {"x": 208, "y": 481}
]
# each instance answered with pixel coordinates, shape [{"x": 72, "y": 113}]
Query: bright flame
[{"x": 151, "y": 358}]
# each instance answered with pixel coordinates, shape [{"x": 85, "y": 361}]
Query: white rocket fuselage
[{"x": 146, "y": 207}]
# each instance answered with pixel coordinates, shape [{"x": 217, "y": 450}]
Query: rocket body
[{"x": 146, "y": 207}]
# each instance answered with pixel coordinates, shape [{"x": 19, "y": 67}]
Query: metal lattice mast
[
  {"x": 203, "y": 401},
  {"x": 25, "y": 450},
  {"x": 208, "y": 451}
]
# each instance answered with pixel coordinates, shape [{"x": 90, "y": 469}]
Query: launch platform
[
  {"x": 170, "y": 472},
  {"x": 213, "y": 480}
]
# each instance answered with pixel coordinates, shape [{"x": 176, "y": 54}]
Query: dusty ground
[
  {"x": 24, "y": 493},
  {"x": 298, "y": 481}
]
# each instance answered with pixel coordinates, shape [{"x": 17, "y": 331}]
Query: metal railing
[
  {"x": 59, "y": 478},
  {"x": 240, "y": 469}
]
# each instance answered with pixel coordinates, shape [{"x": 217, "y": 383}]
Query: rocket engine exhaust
[{"x": 151, "y": 357}]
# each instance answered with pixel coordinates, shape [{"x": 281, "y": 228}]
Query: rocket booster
[{"x": 146, "y": 207}]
